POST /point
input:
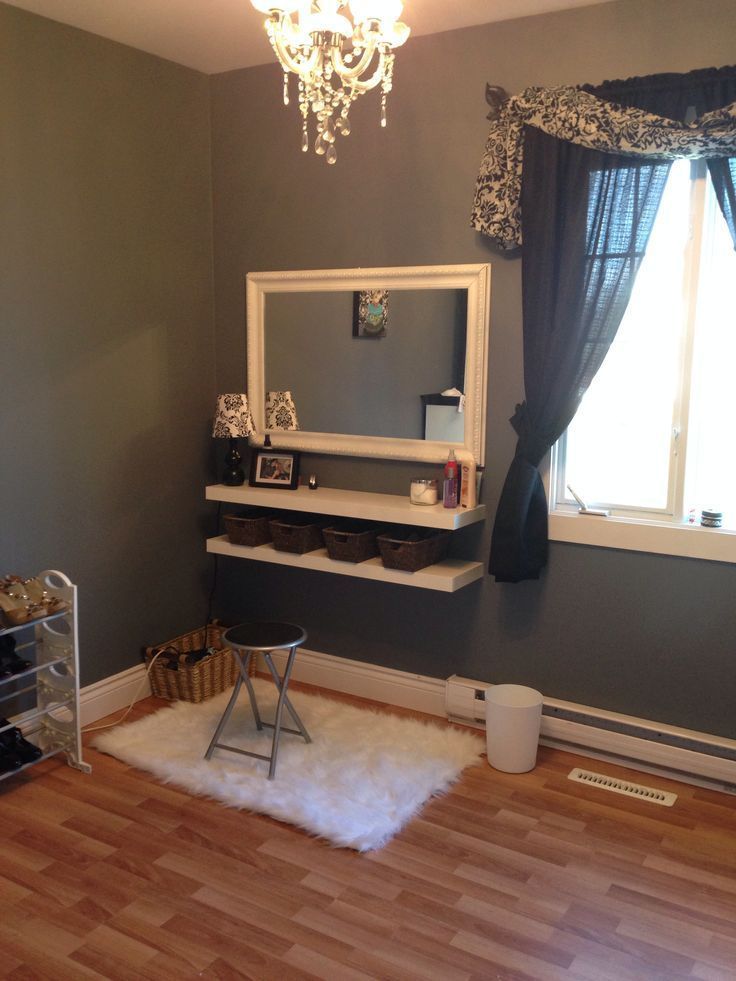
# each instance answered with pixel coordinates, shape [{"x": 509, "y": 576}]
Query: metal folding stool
[{"x": 244, "y": 641}]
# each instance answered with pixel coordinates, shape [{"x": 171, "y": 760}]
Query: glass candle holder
[{"x": 423, "y": 491}]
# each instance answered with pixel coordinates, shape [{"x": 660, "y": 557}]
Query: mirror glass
[
  {"x": 366, "y": 354},
  {"x": 366, "y": 382}
]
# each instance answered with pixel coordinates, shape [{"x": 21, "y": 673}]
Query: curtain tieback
[{"x": 532, "y": 444}]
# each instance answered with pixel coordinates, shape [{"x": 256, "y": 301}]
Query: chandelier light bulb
[{"x": 335, "y": 60}]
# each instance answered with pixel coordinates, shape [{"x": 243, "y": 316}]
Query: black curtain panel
[
  {"x": 586, "y": 220},
  {"x": 586, "y": 217}
]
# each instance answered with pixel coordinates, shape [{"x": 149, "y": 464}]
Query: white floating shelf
[
  {"x": 446, "y": 576},
  {"x": 392, "y": 508}
]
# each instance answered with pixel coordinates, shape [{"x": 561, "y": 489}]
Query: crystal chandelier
[{"x": 335, "y": 60}]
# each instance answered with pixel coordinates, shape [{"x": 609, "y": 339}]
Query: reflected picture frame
[
  {"x": 370, "y": 313},
  {"x": 274, "y": 468}
]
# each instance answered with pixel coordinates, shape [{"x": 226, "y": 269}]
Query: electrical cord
[{"x": 109, "y": 725}]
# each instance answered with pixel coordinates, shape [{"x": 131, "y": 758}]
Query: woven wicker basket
[
  {"x": 350, "y": 542},
  {"x": 173, "y": 678},
  {"x": 412, "y": 549},
  {"x": 251, "y": 527},
  {"x": 297, "y": 534}
]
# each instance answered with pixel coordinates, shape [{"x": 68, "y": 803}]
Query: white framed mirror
[{"x": 366, "y": 352}]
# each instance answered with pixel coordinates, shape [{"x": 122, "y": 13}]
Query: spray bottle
[{"x": 449, "y": 489}]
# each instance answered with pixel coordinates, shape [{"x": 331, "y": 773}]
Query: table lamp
[{"x": 233, "y": 420}]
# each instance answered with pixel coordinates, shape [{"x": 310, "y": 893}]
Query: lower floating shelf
[{"x": 446, "y": 576}]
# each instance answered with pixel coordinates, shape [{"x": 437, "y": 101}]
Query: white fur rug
[{"x": 365, "y": 774}]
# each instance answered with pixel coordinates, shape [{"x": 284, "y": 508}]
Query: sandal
[
  {"x": 40, "y": 597},
  {"x": 15, "y": 610}
]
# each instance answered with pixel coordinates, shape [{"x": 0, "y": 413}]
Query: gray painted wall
[
  {"x": 647, "y": 635},
  {"x": 106, "y": 346}
]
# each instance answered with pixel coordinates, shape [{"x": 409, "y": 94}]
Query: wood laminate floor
[{"x": 114, "y": 875}]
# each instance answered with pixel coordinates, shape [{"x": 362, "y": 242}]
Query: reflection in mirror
[
  {"x": 365, "y": 385},
  {"x": 361, "y": 374}
]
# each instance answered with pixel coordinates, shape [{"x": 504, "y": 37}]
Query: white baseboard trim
[
  {"x": 112, "y": 694},
  {"x": 424, "y": 694},
  {"x": 412, "y": 691}
]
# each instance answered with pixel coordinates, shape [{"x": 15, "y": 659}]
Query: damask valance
[{"x": 571, "y": 114}]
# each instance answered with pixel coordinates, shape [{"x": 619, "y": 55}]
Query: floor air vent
[{"x": 603, "y": 782}]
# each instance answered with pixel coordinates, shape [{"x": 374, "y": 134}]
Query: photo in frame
[
  {"x": 370, "y": 313},
  {"x": 274, "y": 468}
]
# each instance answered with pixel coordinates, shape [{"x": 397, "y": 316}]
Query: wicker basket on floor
[{"x": 174, "y": 676}]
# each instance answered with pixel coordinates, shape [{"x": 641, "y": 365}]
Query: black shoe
[
  {"x": 10, "y": 663},
  {"x": 14, "y": 746},
  {"x": 9, "y": 761}
]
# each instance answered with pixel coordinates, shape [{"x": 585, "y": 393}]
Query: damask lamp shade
[
  {"x": 233, "y": 420},
  {"x": 280, "y": 411}
]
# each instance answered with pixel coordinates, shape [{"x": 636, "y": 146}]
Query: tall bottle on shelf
[{"x": 449, "y": 488}]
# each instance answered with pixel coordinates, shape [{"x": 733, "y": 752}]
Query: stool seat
[{"x": 265, "y": 637}]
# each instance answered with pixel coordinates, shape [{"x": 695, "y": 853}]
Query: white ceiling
[{"x": 219, "y": 35}]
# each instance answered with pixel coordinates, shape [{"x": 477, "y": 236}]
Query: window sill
[{"x": 639, "y": 535}]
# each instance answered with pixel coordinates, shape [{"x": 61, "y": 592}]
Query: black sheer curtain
[
  {"x": 586, "y": 220},
  {"x": 723, "y": 175}
]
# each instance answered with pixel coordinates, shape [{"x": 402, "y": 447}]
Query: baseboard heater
[{"x": 656, "y": 747}]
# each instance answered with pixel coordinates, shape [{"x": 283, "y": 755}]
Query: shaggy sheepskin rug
[{"x": 364, "y": 775}]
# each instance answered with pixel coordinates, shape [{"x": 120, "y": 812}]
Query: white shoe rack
[{"x": 52, "y": 683}]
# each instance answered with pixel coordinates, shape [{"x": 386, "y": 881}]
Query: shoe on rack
[
  {"x": 14, "y": 746},
  {"x": 9, "y": 761},
  {"x": 15, "y": 610},
  {"x": 32, "y": 590},
  {"x": 10, "y": 663}
]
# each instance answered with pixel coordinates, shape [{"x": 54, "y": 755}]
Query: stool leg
[
  {"x": 225, "y": 716},
  {"x": 287, "y": 702},
  {"x": 251, "y": 694},
  {"x": 282, "y": 686}
]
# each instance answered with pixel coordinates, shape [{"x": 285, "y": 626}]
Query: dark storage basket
[
  {"x": 410, "y": 549},
  {"x": 249, "y": 527},
  {"x": 296, "y": 533},
  {"x": 172, "y": 675},
  {"x": 351, "y": 542}
]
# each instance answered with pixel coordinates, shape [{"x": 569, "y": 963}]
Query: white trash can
[{"x": 513, "y": 719}]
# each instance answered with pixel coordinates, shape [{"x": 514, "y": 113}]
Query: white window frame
[{"x": 635, "y": 529}]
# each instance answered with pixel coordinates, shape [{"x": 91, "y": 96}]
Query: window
[{"x": 653, "y": 440}]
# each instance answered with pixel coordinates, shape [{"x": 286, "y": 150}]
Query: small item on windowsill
[
  {"x": 711, "y": 519},
  {"x": 584, "y": 509},
  {"x": 423, "y": 491},
  {"x": 313, "y": 482}
]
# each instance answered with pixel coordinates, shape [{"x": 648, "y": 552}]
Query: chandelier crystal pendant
[{"x": 335, "y": 59}]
